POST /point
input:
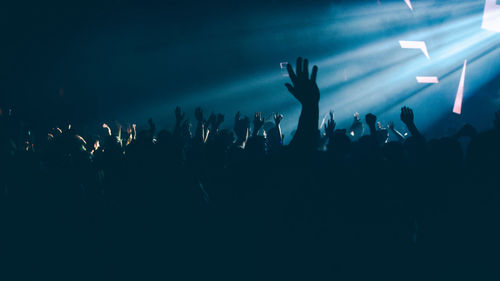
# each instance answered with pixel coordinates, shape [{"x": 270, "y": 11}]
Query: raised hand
[
  {"x": 119, "y": 130},
  {"x": 371, "y": 120},
  {"x": 241, "y": 128},
  {"x": 330, "y": 126},
  {"x": 407, "y": 115},
  {"x": 152, "y": 126},
  {"x": 179, "y": 122},
  {"x": 258, "y": 122},
  {"x": 356, "y": 126},
  {"x": 408, "y": 119},
  {"x": 304, "y": 89},
  {"x": 186, "y": 127},
  {"x": 211, "y": 121},
  {"x": 198, "y": 113},
  {"x": 179, "y": 116},
  {"x": 108, "y": 129},
  {"x": 215, "y": 121},
  {"x": 277, "y": 118},
  {"x": 201, "y": 133},
  {"x": 129, "y": 138}
]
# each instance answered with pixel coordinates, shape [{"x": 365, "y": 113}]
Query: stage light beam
[
  {"x": 408, "y": 2},
  {"x": 491, "y": 16},
  {"x": 457, "y": 108}
]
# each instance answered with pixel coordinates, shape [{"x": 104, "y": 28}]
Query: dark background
[{"x": 92, "y": 61}]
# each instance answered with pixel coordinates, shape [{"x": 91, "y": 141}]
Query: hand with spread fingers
[{"x": 303, "y": 87}]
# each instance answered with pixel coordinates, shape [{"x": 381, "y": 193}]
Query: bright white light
[
  {"x": 415, "y": 45},
  {"x": 427, "y": 79},
  {"x": 491, "y": 16},
  {"x": 457, "y": 108},
  {"x": 408, "y": 2}
]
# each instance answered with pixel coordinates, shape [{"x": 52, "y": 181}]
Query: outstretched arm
[
  {"x": 200, "y": 128},
  {"x": 106, "y": 127},
  {"x": 258, "y": 122},
  {"x": 391, "y": 127},
  {"x": 277, "y": 120},
  {"x": 356, "y": 128},
  {"x": 119, "y": 131},
  {"x": 370, "y": 121},
  {"x": 306, "y": 91},
  {"x": 408, "y": 119},
  {"x": 241, "y": 129},
  {"x": 179, "y": 119}
]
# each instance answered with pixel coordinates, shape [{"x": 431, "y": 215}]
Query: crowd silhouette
[{"x": 342, "y": 204}]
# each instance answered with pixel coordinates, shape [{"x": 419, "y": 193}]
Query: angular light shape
[
  {"x": 427, "y": 79},
  {"x": 415, "y": 45},
  {"x": 283, "y": 66},
  {"x": 491, "y": 16},
  {"x": 457, "y": 108},
  {"x": 408, "y": 2}
]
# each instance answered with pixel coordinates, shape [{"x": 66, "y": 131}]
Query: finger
[
  {"x": 306, "y": 68},
  {"x": 291, "y": 74},
  {"x": 290, "y": 88},
  {"x": 314, "y": 74},
  {"x": 298, "y": 67}
]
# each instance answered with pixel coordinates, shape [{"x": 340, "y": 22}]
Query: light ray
[
  {"x": 457, "y": 108},
  {"x": 408, "y": 2}
]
